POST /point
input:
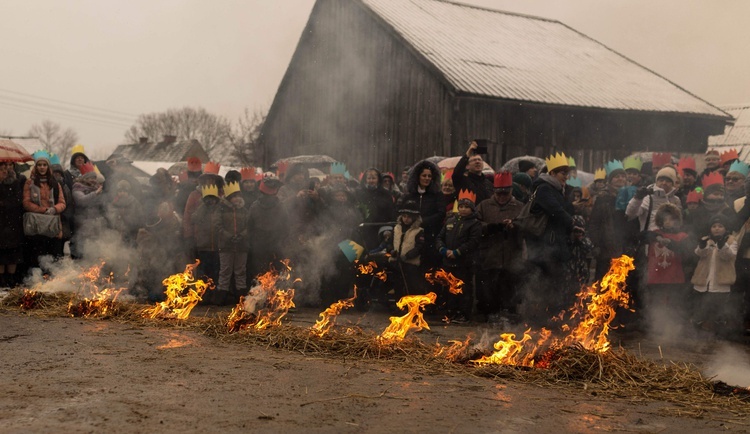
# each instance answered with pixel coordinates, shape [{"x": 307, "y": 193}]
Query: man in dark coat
[
  {"x": 467, "y": 175},
  {"x": 549, "y": 253},
  {"x": 11, "y": 222}
]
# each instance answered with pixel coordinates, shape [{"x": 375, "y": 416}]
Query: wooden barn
[
  {"x": 390, "y": 82},
  {"x": 736, "y": 136}
]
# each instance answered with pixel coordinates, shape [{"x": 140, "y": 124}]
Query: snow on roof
[{"x": 519, "y": 57}]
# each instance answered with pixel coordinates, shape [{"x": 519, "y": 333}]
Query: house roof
[
  {"x": 489, "y": 53},
  {"x": 737, "y": 134},
  {"x": 161, "y": 151}
]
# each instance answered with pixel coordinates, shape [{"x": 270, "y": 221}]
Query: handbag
[
  {"x": 47, "y": 225},
  {"x": 532, "y": 223}
]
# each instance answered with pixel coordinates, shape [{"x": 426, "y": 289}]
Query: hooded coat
[
  {"x": 501, "y": 248},
  {"x": 553, "y": 245},
  {"x": 462, "y": 235},
  {"x": 11, "y": 213},
  {"x": 431, "y": 201}
]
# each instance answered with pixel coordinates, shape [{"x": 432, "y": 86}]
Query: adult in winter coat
[
  {"x": 233, "y": 229},
  {"x": 77, "y": 160},
  {"x": 467, "y": 175},
  {"x": 606, "y": 224},
  {"x": 89, "y": 217},
  {"x": 269, "y": 224},
  {"x": 42, "y": 194},
  {"x": 652, "y": 197},
  {"x": 501, "y": 249},
  {"x": 376, "y": 205},
  {"x": 125, "y": 211},
  {"x": 423, "y": 188},
  {"x": 11, "y": 223},
  {"x": 550, "y": 252}
]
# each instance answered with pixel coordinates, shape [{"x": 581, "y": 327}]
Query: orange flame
[
  {"x": 183, "y": 293},
  {"x": 31, "y": 299},
  {"x": 454, "y": 284},
  {"x": 96, "y": 301},
  {"x": 413, "y": 320},
  {"x": 369, "y": 268},
  {"x": 328, "y": 316},
  {"x": 594, "y": 311},
  {"x": 454, "y": 351},
  {"x": 277, "y": 302}
]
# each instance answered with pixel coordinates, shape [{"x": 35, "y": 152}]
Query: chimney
[
  {"x": 169, "y": 139},
  {"x": 142, "y": 140}
]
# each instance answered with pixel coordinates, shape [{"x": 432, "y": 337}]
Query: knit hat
[
  {"x": 409, "y": 207},
  {"x": 522, "y": 179},
  {"x": 123, "y": 185},
  {"x": 524, "y": 165},
  {"x": 667, "y": 172},
  {"x": 233, "y": 176},
  {"x": 718, "y": 218}
]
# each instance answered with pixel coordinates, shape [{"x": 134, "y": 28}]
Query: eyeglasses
[{"x": 733, "y": 179}]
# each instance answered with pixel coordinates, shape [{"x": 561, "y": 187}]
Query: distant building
[
  {"x": 389, "y": 82},
  {"x": 735, "y": 136},
  {"x": 169, "y": 150}
]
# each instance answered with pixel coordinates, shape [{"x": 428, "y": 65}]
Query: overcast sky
[{"x": 95, "y": 65}]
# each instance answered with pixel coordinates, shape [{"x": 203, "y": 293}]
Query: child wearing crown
[
  {"x": 232, "y": 226},
  {"x": 458, "y": 244},
  {"x": 204, "y": 223}
]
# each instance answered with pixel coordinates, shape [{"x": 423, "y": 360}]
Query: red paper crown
[
  {"x": 503, "y": 179},
  {"x": 694, "y": 197},
  {"x": 448, "y": 175},
  {"x": 212, "y": 168},
  {"x": 728, "y": 156},
  {"x": 87, "y": 167},
  {"x": 467, "y": 194},
  {"x": 194, "y": 164},
  {"x": 661, "y": 159},
  {"x": 247, "y": 173},
  {"x": 711, "y": 179},
  {"x": 686, "y": 163}
]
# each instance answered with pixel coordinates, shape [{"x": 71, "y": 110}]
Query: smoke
[
  {"x": 255, "y": 299},
  {"x": 730, "y": 364}
]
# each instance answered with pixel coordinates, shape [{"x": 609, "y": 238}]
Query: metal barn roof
[
  {"x": 518, "y": 57},
  {"x": 737, "y": 134}
]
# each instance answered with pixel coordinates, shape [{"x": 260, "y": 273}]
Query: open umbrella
[
  {"x": 450, "y": 163},
  {"x": 12, "y": 151},
  {"x": 512, "y": 164}
]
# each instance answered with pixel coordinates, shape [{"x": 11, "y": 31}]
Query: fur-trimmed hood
[{"x": 413, "y": 181}]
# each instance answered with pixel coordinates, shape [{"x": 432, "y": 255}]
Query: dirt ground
[{"x": 74, "y": 375}]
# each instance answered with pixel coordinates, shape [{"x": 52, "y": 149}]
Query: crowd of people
[{"x": 685, "y": 230}]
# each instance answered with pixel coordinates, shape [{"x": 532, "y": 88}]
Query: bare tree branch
[{"x": 54, "y": 139}]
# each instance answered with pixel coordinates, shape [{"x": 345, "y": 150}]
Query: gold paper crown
[
  {"x": 210, "y": 190},
  {"x": 600, "y": 173},
  {"x": 467, "y": 194},
  {"x": 556, "y": 161},
  {"x": 77, "y": 149},
  {"x": 230, "y": 188}
]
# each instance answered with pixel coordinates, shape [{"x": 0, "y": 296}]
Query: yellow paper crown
[
  {"x": 556, "y": 161},
  {"x": 210, "y": 190},
  {"x": 600, "y": 173},
  {"x": 230, "y": 188},
  {"x": 77, "y": 149}
]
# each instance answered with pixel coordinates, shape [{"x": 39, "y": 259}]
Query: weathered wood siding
[{"x": 355, "y": 92}]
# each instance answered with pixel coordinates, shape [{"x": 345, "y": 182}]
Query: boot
[{"x": 4, "y": 284}]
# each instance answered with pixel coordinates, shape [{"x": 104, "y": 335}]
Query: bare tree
[
  {"x": 54, "y": 139},
  {"x": 187, "y": 123},
  {"x": 245, "y": 137}
]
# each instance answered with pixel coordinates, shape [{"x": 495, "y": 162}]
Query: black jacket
[
  {"x": 479, "y": 184},
  {"x": 552, "y": 246},
  {"x": 462, "y": 235}
]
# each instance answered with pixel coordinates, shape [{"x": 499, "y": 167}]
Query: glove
[
  {"x": 50, "y": 211},
  {"x": 641, "y": 193},
  {"x": 702, "y": 243},
  {"x": 721, "y": 242}
]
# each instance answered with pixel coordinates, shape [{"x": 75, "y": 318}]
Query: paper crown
[
  {"x": 54, "y": 159},
  {"x": 77, "y": 149},
  {"x": 686, "y": 163},
  {"x": 600, "y": 173},
  {"x": 212, "y": 168},
  {"x": 503, "y": 180},
  {"x": 711, "y": 179},
  {"x": 446, "y": 175},
  {"x": 571, "y": 162},
  {"x": 631, "y": 162},
  {"x": 347, "y": 175},
  {"x": 613, "y": 165},
  {"x": 467, "y": 194},
  {"x": 231, "y": 188},
  {"x": 338, "y": 168},
  {"x": 41, "y": 155},
  {"x": 739, "y": 167},
  {"x": 281, "y": 168},
  {"x": 351, "y": 250},
  {"x": 194, "y": 164},
  {"x": 87, "y": 168},
  {"x": 247, "y": 173},
  {"x": 661, "y": 159},
  {"x": 556, "y": 161},
  {"x": 574, "y": 182},
  {"x": 209, "y": 190},
  {"x": 694, "y": 196},
  {"x": 728, "y": 156}
]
